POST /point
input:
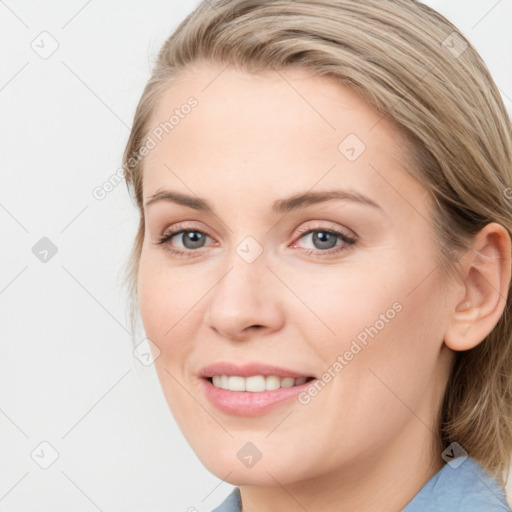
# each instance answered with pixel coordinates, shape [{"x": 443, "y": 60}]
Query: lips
[
  {"x": 243, "y": 397},
  {"x": 250, "y": 404},
  {"x": 248, "y": 370}
]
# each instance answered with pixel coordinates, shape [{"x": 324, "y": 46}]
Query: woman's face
[{"x": 263, "y": 279}]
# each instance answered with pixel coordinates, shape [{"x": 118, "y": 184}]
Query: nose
[{"x": 246, "y": 300}]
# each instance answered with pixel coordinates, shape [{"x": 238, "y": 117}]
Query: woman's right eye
[{"x": 191, "y": 240}]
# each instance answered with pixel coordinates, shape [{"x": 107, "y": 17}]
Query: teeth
[{"x": 256, "y": 383}]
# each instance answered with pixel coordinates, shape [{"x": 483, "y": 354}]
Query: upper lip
[{"x": 248, "y": 370}]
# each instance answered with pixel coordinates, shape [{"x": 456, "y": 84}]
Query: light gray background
[{"x": 67, "y": 374}]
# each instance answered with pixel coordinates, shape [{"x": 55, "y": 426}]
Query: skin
[{"x": 366, "y": 441}]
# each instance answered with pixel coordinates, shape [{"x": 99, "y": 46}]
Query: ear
[{"x": 484, "y": 287}]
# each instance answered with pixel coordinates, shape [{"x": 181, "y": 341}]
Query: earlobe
[{"x": 486, "y": 280}]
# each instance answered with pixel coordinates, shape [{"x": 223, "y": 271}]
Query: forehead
[{"x": 281, "y": 129}]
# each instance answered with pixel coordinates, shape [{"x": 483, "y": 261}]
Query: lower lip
[{"x": 248, "y": 403}]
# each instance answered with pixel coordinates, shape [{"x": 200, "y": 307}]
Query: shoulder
[
  {"x": 231, "y": 503},
  {"x": 460, "y": 486}
]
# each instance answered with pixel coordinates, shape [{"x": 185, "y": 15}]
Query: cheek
[
  {"x": 352, "y": 305},
  {"x": 397, "y": 341},
  {"x": 165, "y": 302},
  {"x": 382, "y": 325},
  {"x": 152, "y": 300},
  {"x": 166, "y": 298}
]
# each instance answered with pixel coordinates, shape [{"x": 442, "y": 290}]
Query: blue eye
[
  {"x": 324, "y": 240},
  {"x": 192, "y": 239}
]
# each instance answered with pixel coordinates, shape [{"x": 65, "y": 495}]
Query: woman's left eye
[{"x": 324, "y": 240}]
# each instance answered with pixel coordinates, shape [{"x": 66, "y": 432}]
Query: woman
[{"x": 323, "y": 260}]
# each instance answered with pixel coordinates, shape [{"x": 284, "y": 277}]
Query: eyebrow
[{"x": 294, "y": 202}]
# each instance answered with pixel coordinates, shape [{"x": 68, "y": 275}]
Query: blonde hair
[{"x": 419, "y": 72}]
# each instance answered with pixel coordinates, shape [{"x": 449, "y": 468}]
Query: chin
[{"x": 227, "y": 463}]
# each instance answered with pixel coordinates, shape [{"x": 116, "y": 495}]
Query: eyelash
[{"x": 346, "y": 239}]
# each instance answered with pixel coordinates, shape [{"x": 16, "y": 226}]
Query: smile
[
  {"x": 257, "y": 402},
  {"x": 255, "y": 383}
]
